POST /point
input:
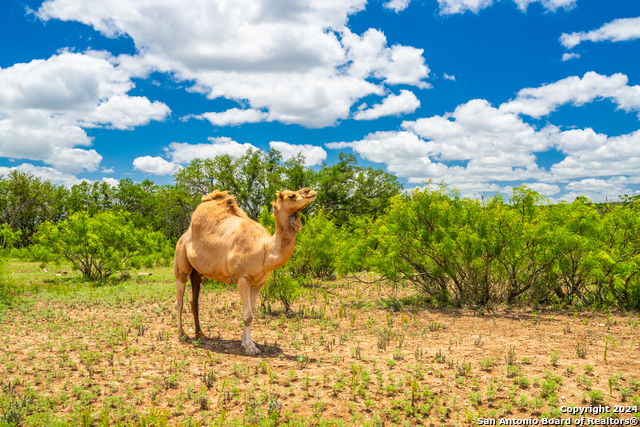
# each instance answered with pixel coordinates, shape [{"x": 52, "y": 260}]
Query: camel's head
[{"x": 293, "y": 201}]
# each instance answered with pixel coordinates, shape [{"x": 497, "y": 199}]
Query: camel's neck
[{"x": 280, "y": 246}]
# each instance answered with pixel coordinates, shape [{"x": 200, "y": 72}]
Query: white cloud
[
  {"x": 111, "y": 181},
  {"x": 182, "y": 152},
  {"x": 540, "y": 101},
  {"x": 313, "y": 154},
  {"x": 392, "y": 105},
  {"x": 397, "y": 5},
  {"x": 155, "y": 165},
  {"x": 105, "y": 170},
  {"x": 544, "y": 189},
  {"x": 568, "y": 56},
  {"x": 478, "y": 146},
  {"x": 49, "y": 174},
  {"x": 451, "y": 7},
  {"x": 46, "y": 104},
  {"x": 599, "y": 189},
  {"x": 234, "y": 117},
  {"x": 551, "y": 5},
  {"x": 448, "y": 77},
  {"x": 296, "y": 61},
  {"x": 590, "y": 154},
  {"x": 617, "y": 30}
]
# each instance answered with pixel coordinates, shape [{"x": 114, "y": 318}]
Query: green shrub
[
  {"x": 284, "y": 287},
  {"x": 100, "y": 245}
]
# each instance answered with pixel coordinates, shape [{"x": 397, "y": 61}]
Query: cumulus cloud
[
  {"x": 155, "y": 165},
  {"x": 296, "y": 61},
  {"x": 397, "y": 5},
  {"x": 600, "y": 189},
  {"x": 478, "y": 146},
  {"x": 617, "y": 30},
  {"x": 234, "y": 117},
  {"x": 451, "y": 7},
  {"x": 313, "y": 154},
  {"x": 182, "y": 152},
  {"x": 540, "y": 101},
  {"x": 49, "y": 174},
  {"x": 544, "y": 189},
  {"x": 448, "y": 77},
  {"x": 551, "y": 5},
  {"x": 567, "y": 56},
  {"x": 111, "y": 181},
  {"x": 46, "y": 105},
  {"x": 392, "y": 105},
  {"x": 592, "y": 154}
]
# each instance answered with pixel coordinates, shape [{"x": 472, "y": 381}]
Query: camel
[{"x": 224, "y": 244}]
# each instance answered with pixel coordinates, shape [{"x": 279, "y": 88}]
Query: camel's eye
[{"x": 293, "y": 196}]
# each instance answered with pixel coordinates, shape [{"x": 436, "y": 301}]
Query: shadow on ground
[{"x": 222, "y": 346}]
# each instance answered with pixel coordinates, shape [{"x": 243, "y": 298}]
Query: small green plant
[
  {"x": 523, "y": 382},
  {"x": 14, "y": 409},
  {"x": 588, "y": 369},
  {"x": 209, "y": 379},
  {"x": 584, "y": 381},
  {"x": 487, "y": 363},
  {"x": 513, "y": 371},
  {"x": 478, "y": 342},
  {"x": 398, "y": 355},
  {"x": 510, "y": 357},
  {"x": 548, "y": 387},
  {"x": 582, "y": 348},
  {"x": 203, "y": 402},
  {"x": 475, "y": 397},
  {"x": 522, "y": 401},
  {"x": 596, "y": 397},
  {"x": 570, "y": 370},
  {"x": 303, "y": 360},
  {"x": 555, "y": 356}
]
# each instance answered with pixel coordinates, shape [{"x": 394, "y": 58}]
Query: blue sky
[{"x": 481, "y": 94}]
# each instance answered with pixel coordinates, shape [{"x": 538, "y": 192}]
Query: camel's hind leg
[
  {"x": 196, "y": 280},
  {"x": 181, "y": 271}
]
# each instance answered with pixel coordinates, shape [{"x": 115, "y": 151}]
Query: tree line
[
  {"x": 450, "y": 250},
  {"x": 344, "y": 189}
]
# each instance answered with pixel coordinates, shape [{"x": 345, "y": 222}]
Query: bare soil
[{"x": 350, "y": 353}]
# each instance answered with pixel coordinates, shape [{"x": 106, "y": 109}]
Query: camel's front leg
[{"x": 244, "y": 288}]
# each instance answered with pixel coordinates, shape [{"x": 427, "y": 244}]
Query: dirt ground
[{"x": 350, "y": 354}]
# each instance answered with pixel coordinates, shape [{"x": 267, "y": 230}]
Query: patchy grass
[{"x": 73, "y": 353}]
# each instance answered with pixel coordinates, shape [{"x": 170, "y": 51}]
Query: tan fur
[
  {"x": 225, "y": 201},
  {"x": 223, "y": 244}
]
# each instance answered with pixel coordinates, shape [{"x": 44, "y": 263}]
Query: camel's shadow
[{"x": 234, "y": 347}]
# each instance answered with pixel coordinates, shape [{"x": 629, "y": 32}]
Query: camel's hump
[
  {"x": 225, "y": 200},
  {"x": 217, "y": 195}
]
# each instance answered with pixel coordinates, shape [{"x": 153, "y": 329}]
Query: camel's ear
[{"x": 280, "y": 195}]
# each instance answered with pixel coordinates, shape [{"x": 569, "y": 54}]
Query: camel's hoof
[
  {"x": 251, "y": 349},
  {"x": 200, "y": 335},
  {"x": 182, "y": 336}
]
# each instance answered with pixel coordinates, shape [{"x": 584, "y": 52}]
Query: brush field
[{"x": 350, "y": 353}]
